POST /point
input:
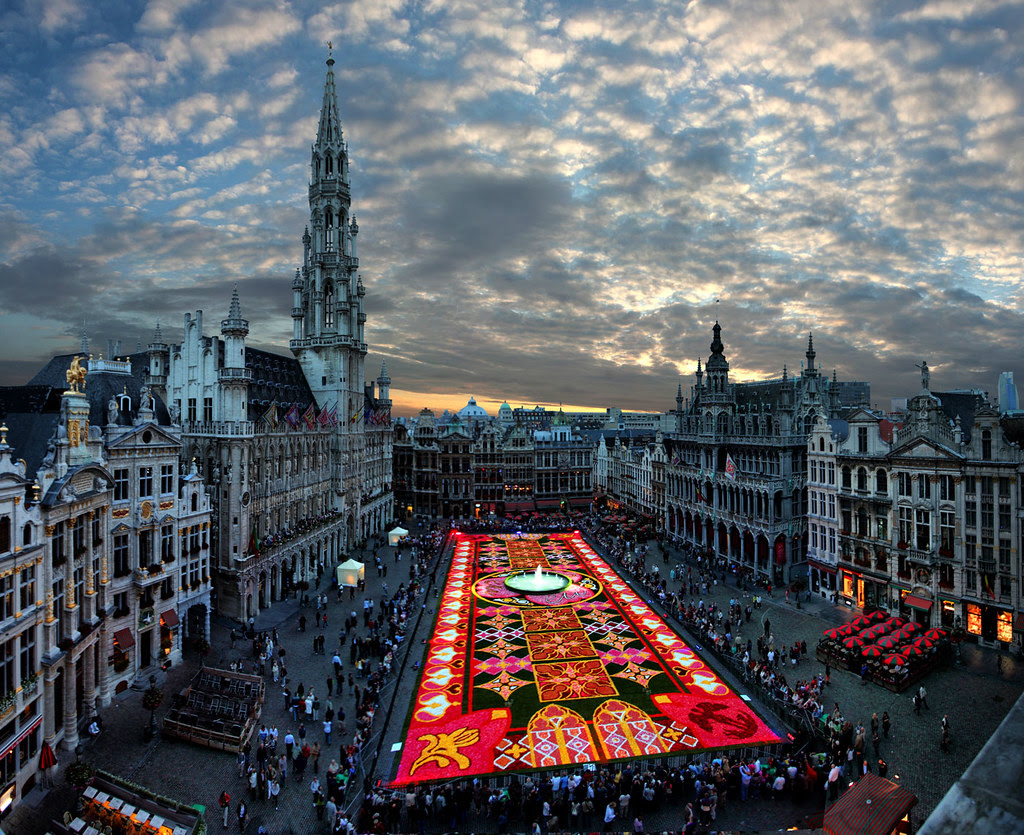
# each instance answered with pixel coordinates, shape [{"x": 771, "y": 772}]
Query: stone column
[
  {"x": 88, "y": 658},
  {"x": 70, "y": 717},
  {"x": 49, "y": 701},
  {"x": 89, "y": 598}
]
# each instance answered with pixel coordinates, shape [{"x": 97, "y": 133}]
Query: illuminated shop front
[
  {"x": 862, "y": 590},
  {"x": 989, "y": 623}
]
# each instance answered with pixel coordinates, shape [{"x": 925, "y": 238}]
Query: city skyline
[{"x": 574, "y": 194}]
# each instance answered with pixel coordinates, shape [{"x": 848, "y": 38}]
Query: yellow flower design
[{"x": 443, "y": 749}]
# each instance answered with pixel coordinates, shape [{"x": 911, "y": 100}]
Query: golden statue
[{"x": 75, "y": 376}]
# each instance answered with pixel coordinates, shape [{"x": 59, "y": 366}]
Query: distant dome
[{"x": 472, "y": 412}]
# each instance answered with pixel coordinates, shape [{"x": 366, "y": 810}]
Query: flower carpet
[{"x": 586, "y": 674}]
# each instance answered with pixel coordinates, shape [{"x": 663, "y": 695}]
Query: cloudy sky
[{"x": 556, "y": 200}]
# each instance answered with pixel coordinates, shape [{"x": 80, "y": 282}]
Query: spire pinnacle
[{"x": 329, "y": 130}]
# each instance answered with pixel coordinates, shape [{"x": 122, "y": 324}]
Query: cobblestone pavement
[{"x": 975, "y": 696}]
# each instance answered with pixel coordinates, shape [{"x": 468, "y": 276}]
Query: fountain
[{"x": 539, "y": 582}]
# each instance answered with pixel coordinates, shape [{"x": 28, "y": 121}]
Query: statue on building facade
[{"x": 75, "y": 376}]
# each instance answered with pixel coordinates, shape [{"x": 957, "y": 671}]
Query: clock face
[{"x": 245, "y": 499}]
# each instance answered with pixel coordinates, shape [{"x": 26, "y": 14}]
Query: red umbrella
[
  {"x": 894, "y": 659},
  {"x": 936, "y": 633},
  {"x": 889, "y": 642},
  {"x": 861, "y": 621},
  {"x": 47, "y": 759},
  {"x": 854, "y": 642},
  {"x": 913, "y": 650},
  {"x": 894, "y": 623},
  {"x": 873, "y": 651},
  {"x": 911, "y": 627},
  {"x": 877, "y": 631},
  {"x": 878, "y": 615},
  {"x": 923, "y": 641},
  {"x": 832, "y": 633},
  {"x": 847, "y": 629}
]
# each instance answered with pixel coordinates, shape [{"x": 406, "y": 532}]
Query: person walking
[
  {"x": 886, "y": 723},
  {"x": 243, "y": 816},
  {"x": 609, "y": 816},
  {"x": 225, "y": 804},
  {"x": 923, "y": 694},
  {"x": 275, "y": 792}
]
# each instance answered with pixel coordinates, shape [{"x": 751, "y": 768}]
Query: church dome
[{"x": 472, "y": 412}]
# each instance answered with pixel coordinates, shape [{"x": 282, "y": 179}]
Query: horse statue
[{"x": 75, "y": 376}]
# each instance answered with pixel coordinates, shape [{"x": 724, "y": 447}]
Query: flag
[
  {"x": 730, "y": 467},
  {"x": 700, "y": 497},
  {"x": 986, "y": 581},
  {"x": 270, "y": 416},
  {"x": 385, "y": 417},
  {"x": 334, "y": 414},
  {"x": 355, "y": 417},
  {"x": 309, "y": 416},
  {"x": 254, "y": 541},
  {"x": 292, "y": 416},
  {"x": 325, "y": 416},
  {"x": 369, "y": 416}
]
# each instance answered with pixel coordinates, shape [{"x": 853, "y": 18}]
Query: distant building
[{"x": 1008, "y": 401}]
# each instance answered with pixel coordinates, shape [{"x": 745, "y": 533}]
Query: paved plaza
[{"x": 975, "y": 696}]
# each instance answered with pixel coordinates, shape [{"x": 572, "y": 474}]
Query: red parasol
[
  {"x": 894, "y": 623},
  {"x": 861, "y": 621},
  {"x": 873, "y": 651},
  {"x": 854, "y": 642},
  {"x": 910, "y": 628},
  {"x": 913, "y": 650},
  {"x": 846, "y": 629},
  {"x": 924, "y": 641},
  {"x": 894, "y": 659},
  {"x": 47, "y": 759},
  {"x": 878, "y": 615},
  {"x": 832, "y": 633},
  {"x": 889, "y": 642},
  {"x": 936, "y": 634},
  {"x": 877, "y": 631}
]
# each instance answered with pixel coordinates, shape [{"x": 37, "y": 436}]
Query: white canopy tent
[
  {"x": 395, "y": 536},
  {"x": 350, "y": 573}
]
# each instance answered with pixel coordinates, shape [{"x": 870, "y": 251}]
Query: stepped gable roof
[
  {"x": 275, "y": 377},
  {"x": 961, "y": 404}
]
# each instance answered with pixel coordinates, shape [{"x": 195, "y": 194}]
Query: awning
[
  {"x": 547, "y": 504},
  {"x": 580, "y": 502},
  {"x": 827, "y": 569},
  {"x": 125, "y": 639},
  {"x": 871, "y": 806},
  {"x": 169, "y": 618},
  {"x": 916, "y": 602},
  {"x": 518, "y": 507}
]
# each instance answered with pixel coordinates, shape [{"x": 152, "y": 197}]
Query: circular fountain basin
[{"x": 529, "y": 582}]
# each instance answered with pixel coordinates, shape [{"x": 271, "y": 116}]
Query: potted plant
[{"x": 78, "y": 774}]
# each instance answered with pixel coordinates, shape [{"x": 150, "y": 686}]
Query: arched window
[
  {"x": 881, "y": 482},
  {"x": 329, "y": 306},
  {"x": 329, "y": 160},
  {"x": 862, "y": 479},
  {"x": 26, "y": 534}
]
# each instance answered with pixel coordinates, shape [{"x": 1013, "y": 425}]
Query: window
[
  {"x": 923, "y": 526},
  {"x": 881, "y": 482},
  {"x": 27, "y": 587},
  {"x": 904, "y": 482},
  {"x": 121, "y": 604},
  {"x": 862, "y": 439},
  {"x": 831, "y": 507},
  {"x": 862, "y": 479},
  {"x": 208, "y": 410},
  {"x": 947, "y": 488},
  {"x": 145, "y": 548},
  {"x": 947, "y": 530},
  {"x": 924, "y": 487},
  {"x": 970, "y": 551},
  {"x": 987, "y": 515},
  {"x": 192, "y": 409},
  {"x": 1004, "y": 517},
  {"x": 986, "y": 485},
  {"x": 121, "y": 485},
  {"x": 1004, "y": 555},
  {"x": 5, "y": 533},
  {"x": 166, "y": 479},
  {"x": 7, "y": 607},
  {"x": 122, "y": 563},
  {"x": 882, "y": 527},
  {"x": 906, "y": 526},
  {"x": 1005, "y": 588},
  {"x": 167, "y": 543},
  {"x": 1004, "y": 487},
  {"x": 8, "y": 677},
  {"x": 971, "y": 515},
  {"x": 145, "y": 481},
  {"x": 28, "y": 653},
  {"x": 57, "y": 553},
  {"x": 986, "y": 444},
  {"x": 846, "y": 478}
]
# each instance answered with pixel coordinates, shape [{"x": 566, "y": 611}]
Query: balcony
[
  {"x": 219, "y": 428},
  {"x": 234, "y": 375}
]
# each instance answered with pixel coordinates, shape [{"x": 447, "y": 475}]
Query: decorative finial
[{"x": 3, "y": 433}]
